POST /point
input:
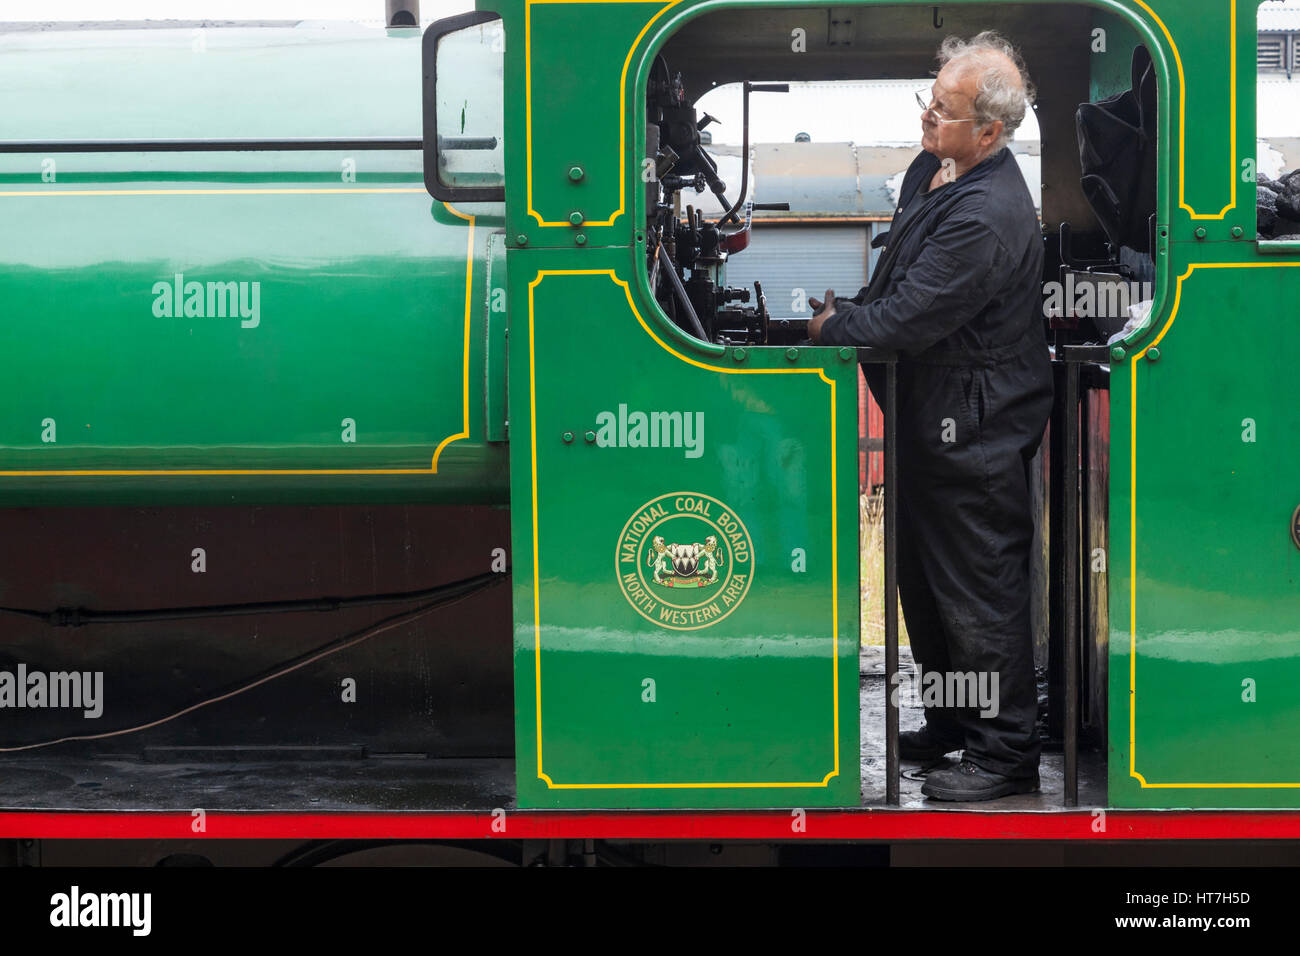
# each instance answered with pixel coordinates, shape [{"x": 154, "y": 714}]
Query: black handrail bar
[{"x": 890, "y": 361}]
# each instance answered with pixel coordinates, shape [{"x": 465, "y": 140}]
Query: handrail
[{"x": 890, "y": 410}]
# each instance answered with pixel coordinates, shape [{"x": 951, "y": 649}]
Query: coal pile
[{"x": 1278, "y": 204}]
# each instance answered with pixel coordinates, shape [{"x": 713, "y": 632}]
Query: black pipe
[
  {"x": 79, "y": 617},
  {"x": 1058, "y": 458},
  {"x": 891, "y": 584},
  {"x": 744, "y": 156},
  {"x": 682, "y": 296},
  {"x": 744, "y": 149},
  {"x": 654, "y": 270},
  {"x": 1070, "y": 477},
  {"x": 889, "y": 409},
  {"x": 1087, "y": 715}
]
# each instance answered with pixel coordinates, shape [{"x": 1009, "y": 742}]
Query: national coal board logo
[{"x": 684, "y": 561}]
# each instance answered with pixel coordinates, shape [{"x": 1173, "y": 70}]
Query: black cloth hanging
[{"x": 1117, "y": 152}]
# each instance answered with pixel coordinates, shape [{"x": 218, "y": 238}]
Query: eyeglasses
[{"x": 938, "y": 117}]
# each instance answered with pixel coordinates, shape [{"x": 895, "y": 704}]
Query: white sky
[{"x": 882, "y": 111}]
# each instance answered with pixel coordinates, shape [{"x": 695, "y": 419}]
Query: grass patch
[{"x": 871, "y": 538}]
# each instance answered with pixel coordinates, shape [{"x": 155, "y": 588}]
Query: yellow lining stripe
[
  {"x": 253, "y": 472},
  {"x": 622, "y": 109},
  {"x": 328, "y": 191},
  {"x": 1182, "y": 113},
  {"x": 537, "y": 618},
  {"x": 1132, "y": 576},
  {"x": 669, "y": 4},
  {"x": 469, "y": 293}
]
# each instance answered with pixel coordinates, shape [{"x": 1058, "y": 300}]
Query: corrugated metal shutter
[
  {"x": 1270, "y": 54},
  {"x": 812, "y": 258}
]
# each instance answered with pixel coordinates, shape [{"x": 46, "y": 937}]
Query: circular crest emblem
[
  {"x": 684, "y": 560},
  {"x": 1295, "y": 526}
]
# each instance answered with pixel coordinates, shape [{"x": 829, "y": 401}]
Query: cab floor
[
  {"x": 351, "y": 781},
  {"x": 1051, "y": 771}
]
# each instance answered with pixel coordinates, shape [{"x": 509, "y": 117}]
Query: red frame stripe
[{"x": 817, "y": 826}]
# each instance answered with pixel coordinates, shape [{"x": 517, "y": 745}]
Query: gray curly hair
[{"x": 1004, "y": 93}]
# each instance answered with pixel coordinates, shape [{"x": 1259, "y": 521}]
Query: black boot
[
  {"x": 970, "y": 782},
  {"x": 923, "y": 746}
]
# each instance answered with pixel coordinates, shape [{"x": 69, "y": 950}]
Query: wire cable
[
  {"x": 450, "y": 594},
  {"x": 78, "y": 617}
]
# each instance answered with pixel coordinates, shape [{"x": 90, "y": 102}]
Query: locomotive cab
[{"x": 1092, "y": 172}]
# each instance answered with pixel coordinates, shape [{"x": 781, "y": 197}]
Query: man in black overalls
[{"x": 957, "y": 293}]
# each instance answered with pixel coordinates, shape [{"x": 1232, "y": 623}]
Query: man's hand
[{"x": 824, "y": 310}]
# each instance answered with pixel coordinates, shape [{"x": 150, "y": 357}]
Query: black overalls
[{"x": 957, "y": 292}]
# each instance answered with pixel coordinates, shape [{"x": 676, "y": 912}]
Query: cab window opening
[{"x": 730, "y": 279}]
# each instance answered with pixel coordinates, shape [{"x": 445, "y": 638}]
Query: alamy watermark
[
  {"x": 637, "y": 429},
  {"x": 977, "y": 689},
  {"x": 75, "y": 908},
  {"x": 1094, "y": 296},
  {"x": 75, "y": 690},
  {"x": 178, "y": 298}
]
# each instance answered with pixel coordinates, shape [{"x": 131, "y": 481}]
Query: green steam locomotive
[{"x": 302, "y": 274}]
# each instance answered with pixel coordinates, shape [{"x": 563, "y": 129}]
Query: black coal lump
[
  {"x": 1288, "y": 203},
  {"x": 1277, "y": 204},
  {"x": 1266, "y": 205}
]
